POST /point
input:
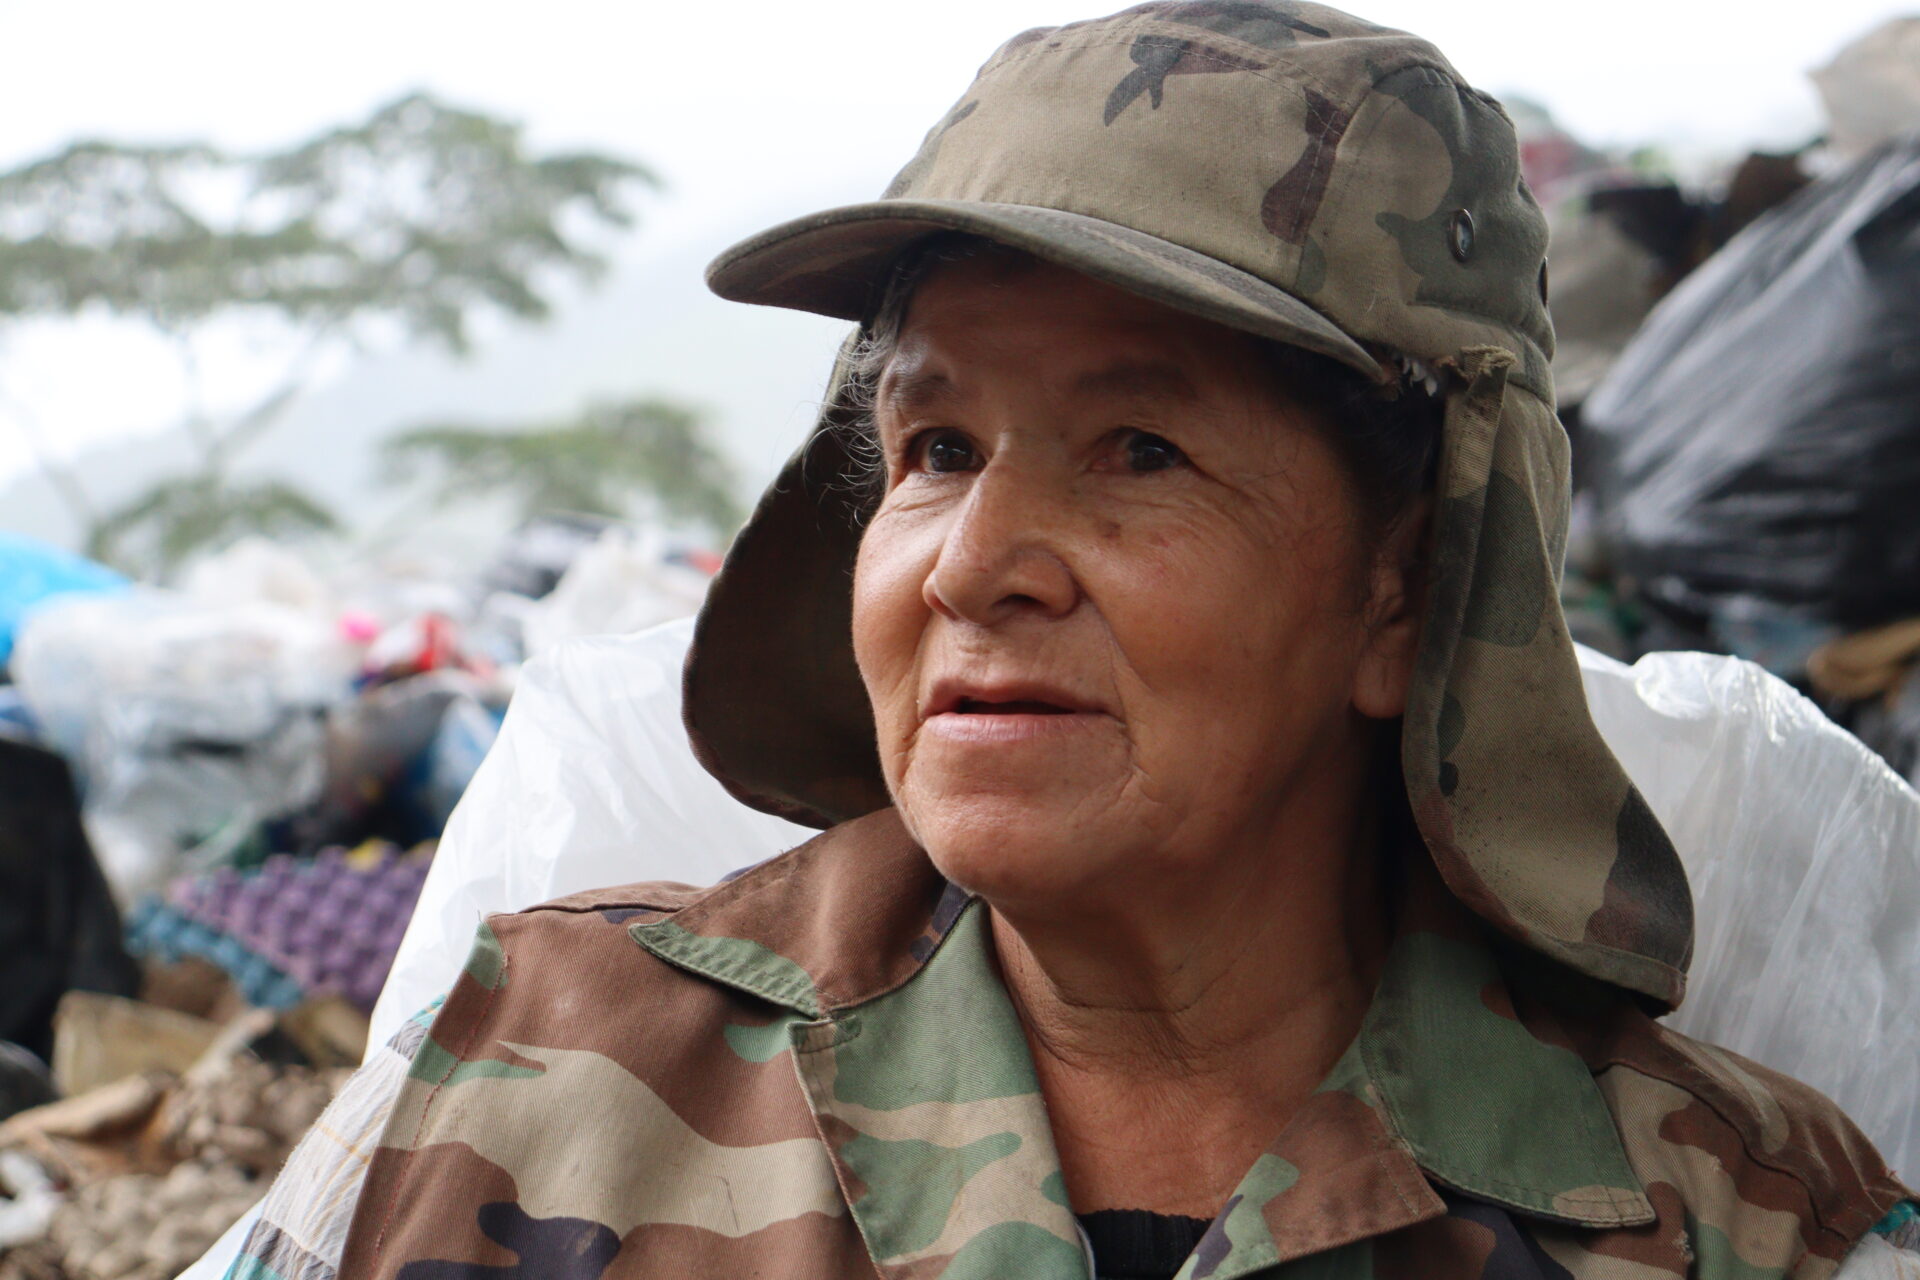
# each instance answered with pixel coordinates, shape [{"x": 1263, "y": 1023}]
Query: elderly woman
[{"x": 1221, "y": 874}]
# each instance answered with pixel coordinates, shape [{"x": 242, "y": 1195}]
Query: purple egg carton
[{"x": 330, "y": 923}]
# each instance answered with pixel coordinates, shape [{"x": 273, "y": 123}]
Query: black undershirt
[{"x": 1137, "y": 1244}]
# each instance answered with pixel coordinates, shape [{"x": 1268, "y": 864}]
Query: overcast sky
[{"x": 745, "y": 106}]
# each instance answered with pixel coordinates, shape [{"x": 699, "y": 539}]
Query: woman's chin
[
  {"x": 1015, "y": 846},
  {"x": 1028, "y": 813}
]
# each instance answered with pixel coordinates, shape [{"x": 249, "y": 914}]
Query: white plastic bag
[
  {"x": 620, "y": 584},
  {"x": 1803, "y": 849},
  {"x": 1871, "y": 88},
  {"x": 591, "y": 783},
  {"x": 187, "y": 718}
]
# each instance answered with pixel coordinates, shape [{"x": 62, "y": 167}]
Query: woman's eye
[
  {"x": 1148, "y": 452},
  {"x": 946, "y": 451}
]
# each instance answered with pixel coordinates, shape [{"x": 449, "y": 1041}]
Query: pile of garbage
[
  {"x": 1756, "y": 448},
  {"x": 1738, "y": 372},
  {"x": 263, "y": 706},
  {"x": 221, "y": 800},
  {"x": 219, "y": 804},
  {"x": 133, "y": 1178}
]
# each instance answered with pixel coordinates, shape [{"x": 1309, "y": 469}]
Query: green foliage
[
  {"x": 425, "y": 214},
  {"x": 177, "y": 517},
  {"x": 595, "y": 463},
  {"x": 421, "y": 217}
]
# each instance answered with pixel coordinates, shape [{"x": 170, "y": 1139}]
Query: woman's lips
[
  {"x": 1014, "y": 707},
  {"x": 1013, "y": 696},
  {"x": 1003, "y": 717},
  {"x": 1003, "y": 725}
]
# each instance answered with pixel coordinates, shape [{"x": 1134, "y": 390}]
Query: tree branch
[
  {"x": 197, "y": 422},
  {"x": 264, "y": 412},
  {"x": 64, "y": 479}
]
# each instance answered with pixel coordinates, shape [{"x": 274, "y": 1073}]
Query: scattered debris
[{"x": 135, "y": 1178}]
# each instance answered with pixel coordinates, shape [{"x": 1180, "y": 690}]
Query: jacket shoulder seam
[
  {"x": 480, "y": 1021},
  {"x": 652, "y": 895},
  {"x": 1697, "y": 1082}
]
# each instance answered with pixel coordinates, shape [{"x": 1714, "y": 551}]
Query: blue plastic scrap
[{"x": 33, "y": 572}]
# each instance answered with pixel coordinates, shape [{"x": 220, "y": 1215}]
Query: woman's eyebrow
[
  {"x": 916, "y": 390},
  {"x": 1127, "y": 379},
  {"x": 1138, "y": 380}
]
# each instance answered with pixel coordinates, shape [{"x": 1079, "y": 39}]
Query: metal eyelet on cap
[{"x": 1460, "y": 235}]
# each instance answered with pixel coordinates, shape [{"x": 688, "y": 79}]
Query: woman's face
[{"x": 1117, "y": 612}]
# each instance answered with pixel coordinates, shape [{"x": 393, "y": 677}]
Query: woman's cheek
[
  {"x": 889, "y": 620},
  {"x": 1169, "y": 578}
]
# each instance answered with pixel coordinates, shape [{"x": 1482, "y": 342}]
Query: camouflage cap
[{"x": 1294, "y": 172}]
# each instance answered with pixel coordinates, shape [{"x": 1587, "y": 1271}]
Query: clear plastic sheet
[
  {"x": 591, "y": 783},
  {"x": 1755, "y": 450},
  {"x": 186, "y": 717},
  {"x": 1804, "y": 852},
  {"x": 621, "y": 583},
  {"x": 1803, "y": 846}
]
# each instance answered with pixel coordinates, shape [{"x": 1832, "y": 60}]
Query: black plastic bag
[
  {"x": 59, "y": 928},
  {"x": 1754, "y": 455}
]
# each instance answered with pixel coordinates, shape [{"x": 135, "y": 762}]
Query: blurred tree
[
  {"x": 595, "y": 463},
  {"x": 187, "y": 513},
  {"x": 410, "y": 224}
]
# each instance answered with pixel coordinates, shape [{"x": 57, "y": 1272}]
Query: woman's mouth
[
  {"x": 1006, "y": 714},
  {"x": 1011, "y": 707}
]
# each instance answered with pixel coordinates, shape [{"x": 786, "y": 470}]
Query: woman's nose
[{"x": 1003, "y": 555}]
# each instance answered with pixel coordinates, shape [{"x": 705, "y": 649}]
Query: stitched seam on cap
[
  {"x": 1174, "y": 31},
  {"x": 1334, "y": 200}
]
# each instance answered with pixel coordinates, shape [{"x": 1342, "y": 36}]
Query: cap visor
[{"x": 833, "y": 263}]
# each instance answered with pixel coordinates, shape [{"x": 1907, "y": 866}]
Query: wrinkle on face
[{"x": 1216, "y": 608}]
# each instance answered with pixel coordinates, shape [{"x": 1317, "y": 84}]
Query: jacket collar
[
  {"x": 844, "y": 918},
  {"x": 920, "y": 1079}
]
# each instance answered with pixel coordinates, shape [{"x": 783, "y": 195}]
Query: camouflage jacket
[{"x": 812, "y": 1070}]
